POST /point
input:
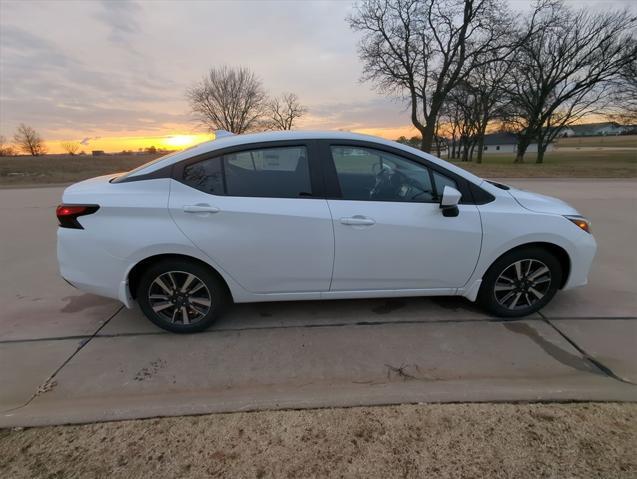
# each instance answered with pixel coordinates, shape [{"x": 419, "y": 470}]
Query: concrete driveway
[{"x": 70, "y": 357}]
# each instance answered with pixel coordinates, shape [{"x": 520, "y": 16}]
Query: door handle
[
  {"x": 200, "y": 209},
  {"x": 358, "y": 220}
]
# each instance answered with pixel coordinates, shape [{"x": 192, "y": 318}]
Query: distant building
[
  {"x": 506, "y": 143},
  {"x": 608, "y": 128},
  {"x": 97, "y": 152}
]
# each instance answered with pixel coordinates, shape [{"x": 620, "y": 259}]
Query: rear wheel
[
  {"x": 181, "y": 296},
  {"x": 520, "y": 282}
]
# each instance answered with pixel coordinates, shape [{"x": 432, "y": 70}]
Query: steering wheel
[{"x": 389, "y": 183}]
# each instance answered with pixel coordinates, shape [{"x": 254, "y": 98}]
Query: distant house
[
  {"x": 506, "y": 143},
  {"x": 608, "y": 128},
  {"x": 97, "y": 152}
]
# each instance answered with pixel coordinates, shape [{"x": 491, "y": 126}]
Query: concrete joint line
[
  {"x": 269, "y": 328},
  {"x": 49, "y": 383},
  {"x": 598, "y": 364}
]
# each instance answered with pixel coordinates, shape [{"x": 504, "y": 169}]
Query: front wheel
[
  {"x": 520, "y": 282},
  {"x": 181, "y": 296}
]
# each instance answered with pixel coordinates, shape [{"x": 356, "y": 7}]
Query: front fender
[{"x": 532, "y": 227}]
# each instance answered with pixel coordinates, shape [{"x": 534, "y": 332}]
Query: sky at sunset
[{"x": 113, "y": 74}]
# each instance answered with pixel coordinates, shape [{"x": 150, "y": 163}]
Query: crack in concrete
[
  {"x": 49, "y": 383},
  {"x": 559, "y": 354},
  {"x": 592, "y": 360}
]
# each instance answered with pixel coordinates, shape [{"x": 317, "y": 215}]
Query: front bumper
[{"x": 581, "y": 261}]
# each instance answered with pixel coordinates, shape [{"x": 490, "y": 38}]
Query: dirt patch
[{"x": 445, "y": 440}]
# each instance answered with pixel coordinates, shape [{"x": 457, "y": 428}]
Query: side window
[
  {"x": 206, "y": 176},
  {"x": 269, "y": 172},
  {"x": 368, "y": 174},
  {"x": 441, "y": 181}
]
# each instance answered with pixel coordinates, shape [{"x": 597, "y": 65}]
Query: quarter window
[
  {"x": 268, "y": 172},
  {"x": 441, "y": 181}
]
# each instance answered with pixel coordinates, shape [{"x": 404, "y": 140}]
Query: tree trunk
[
  {"x": 427, "y": 137},
  {"x": 481, "y": 133},
  {"x": 465, "y": 150},
  {"x": 541, "y": 148},
  {"x": 523, "y": 144},
  {"x": 480, "y": 149}
]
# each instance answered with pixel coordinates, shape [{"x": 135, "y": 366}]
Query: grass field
[
  {"x": 559, "y": 164},
  {"x": 62, "y": 169},
  {"x": 598, "y": 141}
]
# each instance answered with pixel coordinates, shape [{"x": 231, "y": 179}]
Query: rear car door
[
  {"x": 254, "y": 211},
  {"x": 390, "y": 233}
]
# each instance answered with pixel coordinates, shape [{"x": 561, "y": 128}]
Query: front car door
[
  {"x": 254, "y": 211},
  {"x": 389, "y": 230}
]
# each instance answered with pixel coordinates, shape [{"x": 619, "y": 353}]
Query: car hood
[{"x": 541, "y": 203}]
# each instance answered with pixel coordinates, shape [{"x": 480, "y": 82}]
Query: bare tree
[
  {"x": 461, "y": 111},
  {"x": 229, "y": 99},
  {"x": 71, "y": 147},
  {"x": 5, "y": 148},
  {"x": 563, "y": 69},
  {"x": 423, "y": 48},
  {"x": 486, "y": 85},
  {"x": 283, "y": 111},
  {"x": 29, "y": 141},
  {"x": 624, "y": 95}
]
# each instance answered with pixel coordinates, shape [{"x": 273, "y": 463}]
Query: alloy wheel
[
  {"x": 179, "y": 297},
  {"x": 522, "y": 284}
]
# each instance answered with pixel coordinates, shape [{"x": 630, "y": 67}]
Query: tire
[
  {"x": 181, "y": 296},
  {"x": 534, "y": 284}
]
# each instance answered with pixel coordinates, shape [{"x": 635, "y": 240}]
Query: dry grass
[
  {"x": 63, "y": 169},
  {"x": 443, "y": 441},
  {"x": 559, "y": 164},
  {"x": 598, "y": 141}
]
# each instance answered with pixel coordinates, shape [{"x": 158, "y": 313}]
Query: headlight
[{"x": 580, "y": 222}]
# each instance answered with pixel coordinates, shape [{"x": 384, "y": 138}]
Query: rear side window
[{"x": 268, "y": 172}]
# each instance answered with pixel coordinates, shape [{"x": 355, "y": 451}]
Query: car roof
[{"x": 272, "y": 136}]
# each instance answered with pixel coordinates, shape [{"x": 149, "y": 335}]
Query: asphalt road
[{"x": 69, "y": 357}]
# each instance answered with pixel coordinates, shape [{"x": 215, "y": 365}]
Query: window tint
[
  {"x": 441, "y": 181},
  {"x": 205, "y": 176},
  {"x": 368, "y": 174},
  {"x": 268, "y": 172}
]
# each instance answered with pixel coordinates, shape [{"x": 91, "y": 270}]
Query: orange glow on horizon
[
  {"x": 179, "y": 141},
  {"x": 116, "y": 144}
]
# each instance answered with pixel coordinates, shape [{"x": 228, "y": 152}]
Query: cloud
[
  {"x": 86, "y": 140},
  {"x": 121, "y": 17},
  {"x": 81, "y": 69},
  {"x": 46, "y": 87},
  {"x": 377, "y": 112}
]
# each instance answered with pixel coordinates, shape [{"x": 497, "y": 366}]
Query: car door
[
  {"x": 254, "y": 212},
  {"x": 390, "y": 233}
]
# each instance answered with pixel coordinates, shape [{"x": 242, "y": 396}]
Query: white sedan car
[{"x": 287, "y": 216}]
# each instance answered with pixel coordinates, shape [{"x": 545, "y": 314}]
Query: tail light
[{"x": 68, "y": 214}]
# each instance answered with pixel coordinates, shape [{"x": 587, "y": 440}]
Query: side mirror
[{"x": 449, "y": 201}]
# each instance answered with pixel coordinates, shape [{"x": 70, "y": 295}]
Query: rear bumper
[{"x": 90, "y": 268}]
